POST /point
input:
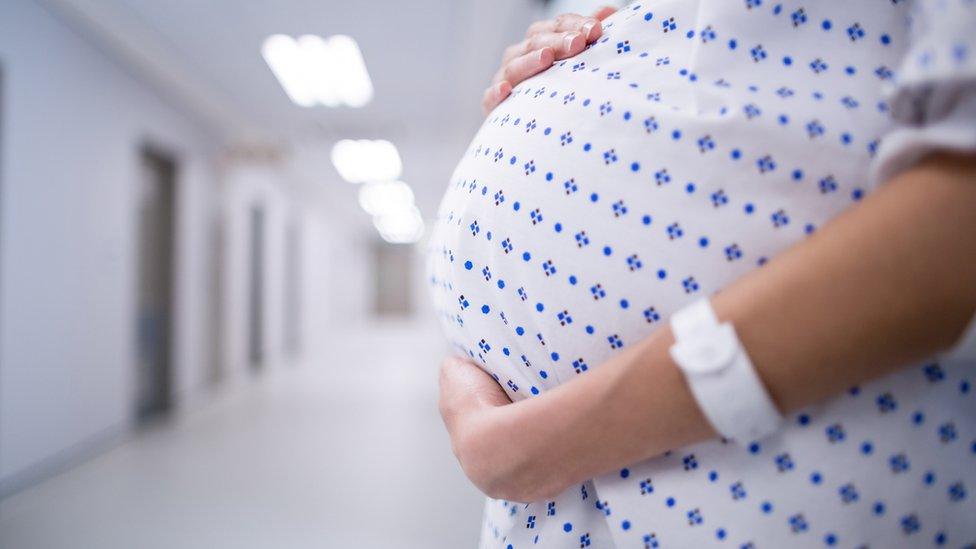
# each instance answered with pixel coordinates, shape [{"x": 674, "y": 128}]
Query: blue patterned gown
[{"x": 691, "y": 144}]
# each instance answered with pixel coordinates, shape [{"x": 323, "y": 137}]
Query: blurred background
[{"x": 214, "y": 328}]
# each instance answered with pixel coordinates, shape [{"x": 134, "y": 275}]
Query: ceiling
[{"x": 429, "y": 62}]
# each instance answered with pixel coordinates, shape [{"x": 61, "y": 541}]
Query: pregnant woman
[{"x": 709, "y": 278}]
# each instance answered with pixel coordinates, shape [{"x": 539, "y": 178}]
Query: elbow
[
  {"x": 526, "y": 493},
  {"x": 515, "y": 487}
]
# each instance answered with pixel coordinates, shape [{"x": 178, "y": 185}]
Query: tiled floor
[{"x": 346, "y": 454}]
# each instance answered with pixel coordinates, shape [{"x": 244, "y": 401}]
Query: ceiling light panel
[
  {"x": 316, "y": 71},
  {"x": 364, "y": 160},
  {"x": 404, "y": 226}
]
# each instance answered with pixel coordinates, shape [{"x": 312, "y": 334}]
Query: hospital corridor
[
  {"x": 215, "y": 327},
  {"x": 494, "y": 274},
  {"x": 302, "y": 458}
]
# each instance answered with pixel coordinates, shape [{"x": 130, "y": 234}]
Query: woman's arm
[{"x": 891, "y": 281}]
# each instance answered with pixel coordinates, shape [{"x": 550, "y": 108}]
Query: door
[
  {"x": 292, "y": 290},
  {"x": 393, "y": 280},
  {"x": 155, "y": 284},
  {"x": 255, "y": 307},
  {"x": 2, "y": 122}
]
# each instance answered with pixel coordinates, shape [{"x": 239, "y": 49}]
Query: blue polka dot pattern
[{"x": 691, "y": 144}]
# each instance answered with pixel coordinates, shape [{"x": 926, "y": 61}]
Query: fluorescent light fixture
[
  {"x": 363, "y": 160},
  {"x": 316, "y": 71},
  {"x": 403, "y": 226},
  {"x": 286, "y": 60},
  {"x": 385, "y": 197}
]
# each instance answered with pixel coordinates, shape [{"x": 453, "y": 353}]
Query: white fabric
[
  {"x": 721, "y": 375},
  {"x": 934, "y": 97},
  {"x": 697, "y": 317},
  {"x": 691, "y": 144}
]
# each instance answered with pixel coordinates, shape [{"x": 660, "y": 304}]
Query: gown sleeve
[{"x": 933, "y": 95}]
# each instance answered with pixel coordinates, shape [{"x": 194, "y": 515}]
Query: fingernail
[
  {"x": 568, "y": 40},
  {"x": 541, "y": 55},
  {"x": 587, "y": 27}
]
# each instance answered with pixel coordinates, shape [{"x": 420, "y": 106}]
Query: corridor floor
[{"x": 347, "y": 454}]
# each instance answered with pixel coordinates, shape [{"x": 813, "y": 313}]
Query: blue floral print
[{"x": 689, "y": 145}]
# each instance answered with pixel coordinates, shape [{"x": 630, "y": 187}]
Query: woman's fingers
[
  {"x": 515, "y": 71},
  {"x": 545, "y": 42},
  {"x": 567, "y": 35},
  {"x": 604, "y": 12},
  {"x": 494, "y": 95},
  {"x": 464, "y": 386},
  {"x": 524, "y": 66},
  {"x": 563, "y": 44},
  {"x": 565, "y": 23}
]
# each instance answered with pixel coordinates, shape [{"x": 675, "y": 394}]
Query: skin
[
  {"x": 888, "y": 283},
  {"x": 545, "y": 43}
]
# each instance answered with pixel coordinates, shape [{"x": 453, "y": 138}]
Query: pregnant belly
[
  {"x": 560, "y": 241},
  {"x": 590, "y": 206}
]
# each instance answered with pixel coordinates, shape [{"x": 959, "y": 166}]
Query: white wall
[
  {"x": 73, "y": 122},
  {"x": 346, "y": 250},
  {"x": 247, "y": 186}
]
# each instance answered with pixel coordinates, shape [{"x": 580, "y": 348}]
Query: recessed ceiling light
[
  {"x": 316, "y": 71},
  {"x": 400, "y": 227},
  {"x": 385, "y": 197},
  {"x": 364, "y": 160}
]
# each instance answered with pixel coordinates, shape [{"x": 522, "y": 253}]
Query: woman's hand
[
  {"x": 466, "y": 389},
  {"x": 536, "y": 448},
  {"x": 485, "y": 429},
  {"x": 468, "y": 396},
  {"x": 545, "y": 42}
]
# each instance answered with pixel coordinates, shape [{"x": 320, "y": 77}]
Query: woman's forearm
[{"x": 890, "y": 281}]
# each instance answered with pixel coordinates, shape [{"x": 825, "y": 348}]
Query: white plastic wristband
[{"x": 721, "y": 376}]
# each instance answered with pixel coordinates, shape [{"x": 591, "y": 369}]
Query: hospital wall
[
  {"x": 73, "y": 124},
  {"x": 74, "y": 120}
]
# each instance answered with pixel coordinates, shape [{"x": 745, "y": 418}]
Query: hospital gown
[{"x": 691, "y": 144}]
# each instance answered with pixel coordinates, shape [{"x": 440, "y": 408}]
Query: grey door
[
  {"x": 255, "y": 305},
  {"x": 155, "y": 284}
]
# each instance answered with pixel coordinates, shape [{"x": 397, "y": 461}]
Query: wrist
[
  {"x": 507, "y": 457},
  {"x": 643, "y": 409},
  {"x": 721, "y": 375}
]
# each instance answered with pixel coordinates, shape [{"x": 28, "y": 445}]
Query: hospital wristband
[{"x": 721, "y": 376}]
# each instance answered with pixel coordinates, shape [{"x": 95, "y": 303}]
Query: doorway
[
  {"x": 156, "y": 202},
  {"x": 392, "y": 280},
  {"x": 292, "y": 290},
  {"x": 2, "y": 122},
  {"x": 255, "y": 302}
]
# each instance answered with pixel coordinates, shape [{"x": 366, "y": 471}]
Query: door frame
[
  {"x": 152, "y": 152},
  {"x": 257, "y": 230},
  {"x": 3, "y": 122}
]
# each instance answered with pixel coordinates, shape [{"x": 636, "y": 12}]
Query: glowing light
[
  {"x": 286, "y": 60},
  {"x": 381, "y": 198},
  {"x": 364, "y": 160},
  {"x": 402, "y": 226},
  {"x": 316, "y": 71}
]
